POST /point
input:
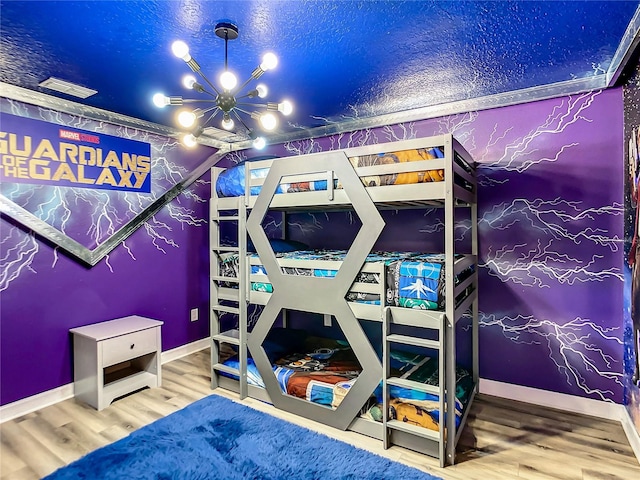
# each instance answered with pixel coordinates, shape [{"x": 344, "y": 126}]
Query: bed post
[
  {"x": 214, "y": 272},
  {"x": 450, "y": 305},
  {"x": 475, "y": 310}
]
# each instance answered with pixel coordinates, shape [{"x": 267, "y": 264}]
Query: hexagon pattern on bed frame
[{"x": 317, "y": 295}]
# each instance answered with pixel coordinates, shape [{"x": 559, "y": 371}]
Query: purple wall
[
  {"x": 160, "y": 271},
  {"x": 551, "y": 234}
]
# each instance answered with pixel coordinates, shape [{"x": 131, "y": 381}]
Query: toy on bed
[{"x": 412, "y": 406}]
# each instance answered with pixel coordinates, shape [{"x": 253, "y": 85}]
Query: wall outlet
[{"x": 194, "y": 314}]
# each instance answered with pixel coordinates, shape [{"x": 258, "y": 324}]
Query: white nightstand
[{"x": 114, "y": 358}]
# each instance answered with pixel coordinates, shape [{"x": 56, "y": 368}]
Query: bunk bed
[{"x": 389, "y": 391}]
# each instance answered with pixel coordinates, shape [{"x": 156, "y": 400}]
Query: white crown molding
[{"x": 626, "y": 49}]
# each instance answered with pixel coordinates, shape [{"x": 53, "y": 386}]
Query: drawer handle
[{"x": 132, "y": 345}]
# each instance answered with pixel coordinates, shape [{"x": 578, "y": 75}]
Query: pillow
[
  {"x": 281, "y": 341},
  {"x": 279, "y": 245}
]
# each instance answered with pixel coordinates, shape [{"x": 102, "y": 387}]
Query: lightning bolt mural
[
  {"x": 19, "y": 249},
  {"x": 545, "y": 243},
  {"x": 538, "y": 265},
  {"x": 557, "y": 224},
  {"x": 524, "y": 151},
  {"x": 579, "y": 348}
]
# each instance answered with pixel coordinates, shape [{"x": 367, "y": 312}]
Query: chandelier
[{"x": 227, "y": 99}]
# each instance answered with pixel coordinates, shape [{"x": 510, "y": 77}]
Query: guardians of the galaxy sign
[{"x": 38, "y": 152}]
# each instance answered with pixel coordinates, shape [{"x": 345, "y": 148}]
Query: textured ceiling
[{"x": 339, "y": 60}]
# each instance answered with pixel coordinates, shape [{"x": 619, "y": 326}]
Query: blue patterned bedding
[
  {"x": 327, "y": 380},
  {"x": 413, "y": 280}
]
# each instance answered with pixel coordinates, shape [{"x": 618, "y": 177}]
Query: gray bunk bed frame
[{"x": 328, "y": 297}]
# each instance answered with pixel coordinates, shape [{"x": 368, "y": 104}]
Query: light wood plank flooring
[{"x": 502, "y": 440}]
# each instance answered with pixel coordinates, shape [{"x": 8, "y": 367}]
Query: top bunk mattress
[{"x": 231, "y": 182}]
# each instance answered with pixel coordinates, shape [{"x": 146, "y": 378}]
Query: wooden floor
[{"x": 502, "y": 439}]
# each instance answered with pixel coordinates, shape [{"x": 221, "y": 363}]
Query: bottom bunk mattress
[
  {"x": 412, "y": 280},
  {"x": 324, "y": 374}
]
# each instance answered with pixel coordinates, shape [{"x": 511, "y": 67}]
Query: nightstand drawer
[{"x": 129, "y": 346}]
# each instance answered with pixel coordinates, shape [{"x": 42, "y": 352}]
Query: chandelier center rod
[{"x": 227, "y": 31}]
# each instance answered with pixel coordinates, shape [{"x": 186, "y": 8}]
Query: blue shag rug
[{"x": 216, "y": 438}]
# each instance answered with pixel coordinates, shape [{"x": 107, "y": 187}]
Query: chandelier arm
[
  {"x": 240, "y": 118},
  {"x": 262, "y": 105},
  {"x": 246, "y": 112},
  {"x": 209, "y": 83},
  {"x": 197, "y": 100},
  {"x": 239, "y": 89},
  {"x": 207, "y": 110},
  {"x": 214, "y": 95},
  {"x": 212, "y": 116}
]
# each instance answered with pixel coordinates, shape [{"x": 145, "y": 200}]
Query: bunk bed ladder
[
  {"x": 388, "y": 381},
  {"x": 234, "y": 298}
]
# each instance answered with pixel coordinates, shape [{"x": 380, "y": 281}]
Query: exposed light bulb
[
  {"x": 186, "y": 118},
  {"x": 189, "y": 140},
  {"x": 269, "y": 62},
  {"x": 181, "y": 50},
  {"x": 227, "y": 122},
  {"x": 259, "y": 143},
  {"x": 228, "y": 80},
  {"x": 268, "y": 121},
  {"x": 160, "y": 101},
  {"x": 189, "y": 81},
  {"x": 285, "y": 107},
  {"x": 262, "y": 90}
]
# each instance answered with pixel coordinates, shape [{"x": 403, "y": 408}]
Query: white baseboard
[
  {"x": 631, "y": 431},
  {"x": 570, "y": 403},
  {"x": 184, "y": 350},
  {"x": 36, "y": 402},
  {"x": 41, "y": 400},
  {"x": 545, "y": 398}
]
